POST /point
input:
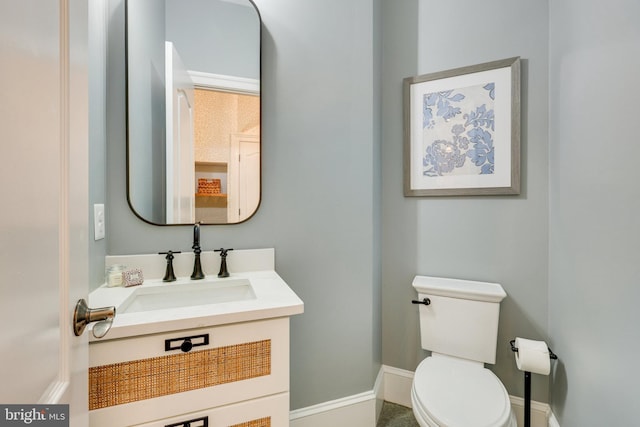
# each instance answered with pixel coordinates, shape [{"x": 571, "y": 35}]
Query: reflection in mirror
[{"x": 193, "y": 110}]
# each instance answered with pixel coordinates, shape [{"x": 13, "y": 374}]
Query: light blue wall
[
  {"x": 97, "y": 131},
  {"x": 203, "y": 31},
  {"x": 594, "y": 204},
  {"x": 496, "y": 239},
  {"x": 147, "y": 99},
  {"x": 320, "y": 204}
]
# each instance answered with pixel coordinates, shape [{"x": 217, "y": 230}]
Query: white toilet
[{"x": 459, "y": 325}]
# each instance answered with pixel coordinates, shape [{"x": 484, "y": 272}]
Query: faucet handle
[
  {"x": 223, "y": 262},
  {"x": 169, "y": 254},
  {"x": 223, "y": 251},
  {"x": 169, "y": 275}
]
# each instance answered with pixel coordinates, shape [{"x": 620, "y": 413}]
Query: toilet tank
[{"x": 462, "y": 318}]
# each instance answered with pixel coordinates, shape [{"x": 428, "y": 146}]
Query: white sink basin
[{"x": 185, "y": 295}]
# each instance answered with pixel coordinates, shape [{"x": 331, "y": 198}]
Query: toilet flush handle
[{"x": 425, "y": 301}]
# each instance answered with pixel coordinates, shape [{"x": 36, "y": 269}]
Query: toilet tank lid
[{"x": 457, "y": 288}]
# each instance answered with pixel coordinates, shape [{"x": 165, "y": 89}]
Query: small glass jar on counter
[{"x": 113, "y": 275}]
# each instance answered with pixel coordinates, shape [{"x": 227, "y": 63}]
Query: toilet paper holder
[
  {"x": 515, "y": 350},
  {"x": 527, "y": 385}
]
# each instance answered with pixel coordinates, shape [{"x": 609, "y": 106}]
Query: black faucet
[
  {"x": 197, "y": 267},
  {"x": 169, "y": 275},
  {"x": 223, "y": 262}
]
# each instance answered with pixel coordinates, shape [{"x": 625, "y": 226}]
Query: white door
[
  {"x": 43, "y": 219},
  {"x": 180, "y": 168},
  {"x": 249, "y": 177},
  {"x": 243, "y": 178}
]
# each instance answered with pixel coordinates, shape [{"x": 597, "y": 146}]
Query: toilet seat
[{"x": 453, "y": 392}]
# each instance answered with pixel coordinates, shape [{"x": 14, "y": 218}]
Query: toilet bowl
[
  {"x": 455, "y": 392},
  {"x": 459, "y": 325}
]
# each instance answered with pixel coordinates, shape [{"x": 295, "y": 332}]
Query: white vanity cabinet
[
  {"x": 194, "y": 354},
  {"x": 233, "y": 375}
]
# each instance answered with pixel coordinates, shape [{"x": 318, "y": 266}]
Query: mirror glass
[{"x": 193, "y": 110}]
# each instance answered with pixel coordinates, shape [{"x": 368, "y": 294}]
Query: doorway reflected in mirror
[{"x": 227, "y": 155}]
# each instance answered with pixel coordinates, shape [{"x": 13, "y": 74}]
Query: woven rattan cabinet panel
[{"x": 135, "y": 380}]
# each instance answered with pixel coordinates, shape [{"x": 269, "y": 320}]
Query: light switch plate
[{"x": 98, "y": 221}]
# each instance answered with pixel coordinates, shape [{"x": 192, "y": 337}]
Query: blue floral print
[
  {"x": 442, "y": 101},
  {"x": 471, "y": 131},
  {"x": 444, "y": 156},
  {"x": 491, "y": 88}
]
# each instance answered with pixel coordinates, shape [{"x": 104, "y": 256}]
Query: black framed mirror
[{"x": 193, "y": 110}]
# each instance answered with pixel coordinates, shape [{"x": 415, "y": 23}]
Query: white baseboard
[
  {"x": 397, "y": 385},
  {"x": 358, "y": 411},
  {"x": 392, "y": 385},
  {"x": 553, "y": 421},
  {"x": 540, "y": 412},
  {"x": 378, "y": 389}
]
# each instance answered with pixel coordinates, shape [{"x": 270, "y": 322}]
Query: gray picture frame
[{"x": 450, "y": 151}]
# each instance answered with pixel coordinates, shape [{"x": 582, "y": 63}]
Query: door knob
[{"x": 83, "y": 315}]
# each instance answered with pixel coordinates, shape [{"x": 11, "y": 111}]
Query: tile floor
[{"x": 393, "y": 415}]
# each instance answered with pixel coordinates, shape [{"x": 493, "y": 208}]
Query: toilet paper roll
[{"x": 533, "y": 356}]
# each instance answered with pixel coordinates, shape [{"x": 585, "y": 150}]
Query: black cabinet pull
[
  {"x": 186, "y": 343},
  {"x": 196, "y": 422}
]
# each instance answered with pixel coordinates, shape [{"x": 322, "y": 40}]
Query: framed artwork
[{"x": 462, "y": 131}]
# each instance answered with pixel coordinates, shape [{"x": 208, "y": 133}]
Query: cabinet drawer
[
  {"x": 271, "y": 411},
  {"x": 133, "y": 377}
]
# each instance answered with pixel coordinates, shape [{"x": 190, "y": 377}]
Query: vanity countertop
[{"x": 271, "y": 297}]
